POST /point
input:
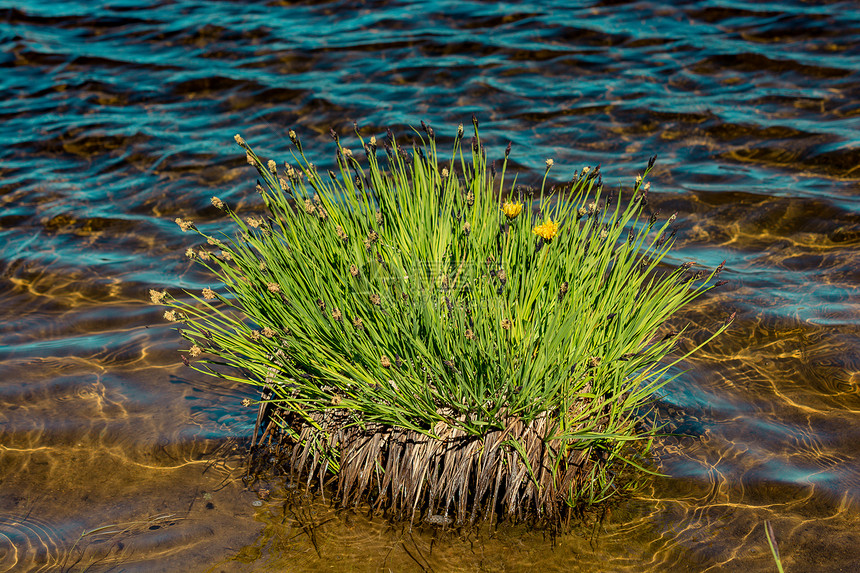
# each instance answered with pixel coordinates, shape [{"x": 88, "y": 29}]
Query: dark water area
[{"x": 119, "y": 116}]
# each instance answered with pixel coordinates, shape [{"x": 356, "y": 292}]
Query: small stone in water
[
  {"x": 257, "y": 503},
  {"x": 439, "y": 520}
]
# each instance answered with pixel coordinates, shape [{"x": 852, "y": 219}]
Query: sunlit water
[{"x": 118, "y": 117}]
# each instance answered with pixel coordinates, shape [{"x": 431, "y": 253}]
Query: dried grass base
[{"x": 458, "y": 479}]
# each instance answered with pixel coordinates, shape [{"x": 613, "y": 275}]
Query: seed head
[
  {"x": 189, "y": 252},
  {"x": 375, "y": 299},
  {"x": 310, "y": 208},
  {"x": 217, "y": 203},
  {"x": 253, "y": 222},
  {"x": 470, "y": 198},
  {"x": 385, "y": 362},
  {"x": 208, "y": 293},
  {"x": 358, "y": 323},
  {"x": 647, "y": 186},
  {"x": 170, "y": 315},
  {"x": 341, "y": 234},
  {"x": 585, "y": 170},
  {"x": 262, "y": 266},
  {"x": 444, "y": 173},
  {"x": 255, "y": 335},
  {"x": 267, "y": 332},
  {"x": 246, "y": 402},
  {"x": 322, "y": 213},
  {"x": 373, "y": 140},
  {"x": 549, "y": 163},
  {"x": 274, "y": 287},
  {"x": 157, "y": 297},
  {"x": 469, "y": 334},
  {"x": 506, "y": 324},
  {"x": 226, "y": 255},
  {"x": 238, "y": 138},
  {"x": 337, "y": 315},
  {"x": 460, "y": 131},
  {"x": 467, "y": 228},
  {"x": 379, "y": 217},
  {"x": 594, "y": 361},
  {"x": 321, "y": 304},
  {"x": 293, "y": 136},
  {"x": 204, "y": 255},
  {"x": 353, "y": 270},
  {"x": 335, "y": 400},
  {"x": 562, "y": 290},
  {"x": 638, "y": 179},
  {"x": 372, "y": 237},
  {"x": 502, "y": 276},
  {"x": 184, "y": 224},
  {"x": 582, "y": 212},
  {"x": 195, "y": 351}
]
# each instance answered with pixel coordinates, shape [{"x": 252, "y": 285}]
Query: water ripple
[{"x": 119, "y": 117}]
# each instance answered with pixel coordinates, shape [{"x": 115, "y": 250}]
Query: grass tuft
[{"x": 436, "y": 338}]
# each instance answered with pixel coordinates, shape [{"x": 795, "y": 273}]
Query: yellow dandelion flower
[
  {"x": 547, "y": 230},
  {"x": 512, "y": 210}
]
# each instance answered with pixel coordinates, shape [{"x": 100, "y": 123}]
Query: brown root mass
[{"x": 457, "y": 478}]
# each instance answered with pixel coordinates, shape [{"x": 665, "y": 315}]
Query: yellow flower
[
  {"x": 511, "y": 210},
  {"x": 547, "y": 230}
]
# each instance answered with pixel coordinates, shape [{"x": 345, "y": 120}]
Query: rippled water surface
[{"x": 118, "y": 117}]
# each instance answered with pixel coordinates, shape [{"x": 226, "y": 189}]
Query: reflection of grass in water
[
  {"x": 438, "y": 343},
  {"x": 105, "y": 543}
]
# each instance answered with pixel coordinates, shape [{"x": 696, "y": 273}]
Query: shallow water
[{"x": 118, "y": 117}]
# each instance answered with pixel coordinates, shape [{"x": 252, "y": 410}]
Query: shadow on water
[{"x": 117, "y": 118}]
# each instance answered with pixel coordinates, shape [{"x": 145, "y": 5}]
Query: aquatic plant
[{"x": 436, "y": 341}]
